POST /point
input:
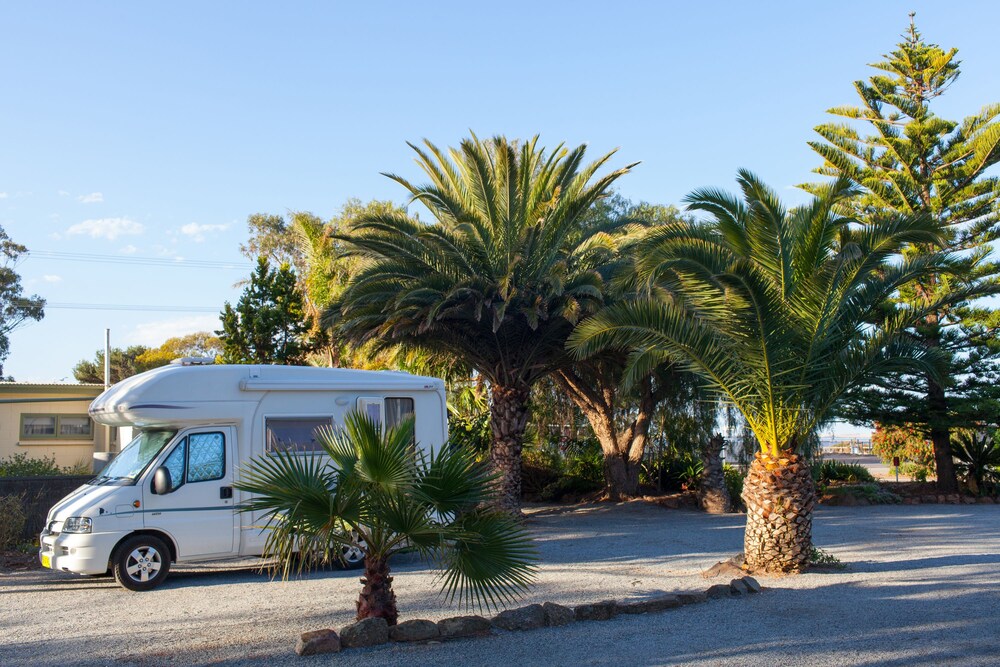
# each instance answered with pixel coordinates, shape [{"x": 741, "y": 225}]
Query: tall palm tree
[
  {"x": 498, "y": 281},
  {"x": 371, "y": 491},
  {"x": 775, "y": 310}
]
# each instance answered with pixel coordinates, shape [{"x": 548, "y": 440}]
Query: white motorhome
[{"x": 169, "y": 496}]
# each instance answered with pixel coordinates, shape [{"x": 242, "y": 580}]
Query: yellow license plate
[{"x": 46, "y": 561}]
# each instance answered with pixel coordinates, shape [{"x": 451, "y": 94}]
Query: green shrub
[
  {"x": 584, "y": 459},
  {"x": 22, "y": 465},
  {"x": 977, "y": 461},
  {"x": 570, "y": 486},
  {"x": 540, "y": 467},
  {"x": 874, "y": 493},
  {"x": 470, "y": 431},
  {"x": 677, "y": 471},
  {"x": 824, "y": 472},
  {"x": 12, "y": 518},
  {"x": 916, "y": 471},
  {"x": 734, "y": 484}
]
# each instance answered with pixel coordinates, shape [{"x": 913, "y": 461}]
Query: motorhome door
[{"x": 198, "y": 513}]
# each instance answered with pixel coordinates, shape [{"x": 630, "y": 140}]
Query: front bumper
[{"x": 80, "y": 553}]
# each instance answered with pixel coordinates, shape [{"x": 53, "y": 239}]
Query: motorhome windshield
[{"x": 134, "y": 458}]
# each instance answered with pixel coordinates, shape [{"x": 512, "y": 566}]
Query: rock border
[{"x": 375, "y": 631}]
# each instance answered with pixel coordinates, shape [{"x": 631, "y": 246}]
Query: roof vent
[{"x": 193, "y": 361}]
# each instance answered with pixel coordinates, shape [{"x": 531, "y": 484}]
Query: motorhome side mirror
[{"x": 162, "y": 484}]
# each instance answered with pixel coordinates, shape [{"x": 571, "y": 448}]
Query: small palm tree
[
  {"x": 776, "y": 310},
  {"x": 977, "y": 460},
  {"x": 376, "y": 492}
]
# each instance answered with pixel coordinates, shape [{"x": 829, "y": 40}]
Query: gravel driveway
[{"x": 922, "y": 587}]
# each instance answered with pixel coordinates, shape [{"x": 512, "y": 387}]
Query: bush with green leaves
[
  {"x": 12, "y": 519},
  {"x": 673, "y": 471},
  {"x": 470, "y": 431},
  {"x": 872, "y": 492},
  {"x": 824, "y": 472},
  {"x": 977, "y": 460},
  {"x": 22, "y": 465},
  {"x": 372, "y": 490},
  {"x": 734, "y": 484}
]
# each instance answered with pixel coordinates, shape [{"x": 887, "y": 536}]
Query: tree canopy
[
  {"x": 268, "y": 324},
  {"x": 15, "y": 308},
  {"x": 906, "y": 160}
]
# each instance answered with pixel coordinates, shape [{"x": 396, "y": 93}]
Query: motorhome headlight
[{"x": 78, "y": 524}]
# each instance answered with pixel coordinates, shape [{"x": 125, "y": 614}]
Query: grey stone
[
  {"x": 556, "y": 614},
  {"x": 723, "y": 568},
  {"x": 753, "y": 586},
  {"x": 596, "y": 611},
  {"x": 522, "y": 618},
  {"x": 463, "y": 626},
  {"x": 649, "y": 605},
  {"x": 692, "y": 598},
  {"x": 315, "y": 642},
  {"x": 417, "y": 630},
  {"x": 738, "y": 587},
  {"x": 719, "y": 591},
  {"x": 366, "y": 632}
]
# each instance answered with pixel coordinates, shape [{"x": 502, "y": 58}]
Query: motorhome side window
[
  {"x": 397, "y": 410},
  {"x": 199, "y": 457},
  {"x": 294, "y": 434}
]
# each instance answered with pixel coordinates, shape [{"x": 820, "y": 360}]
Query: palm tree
[
  {"x": 774, "y": 309},
  {"x": 498, "y": 282},
  {"x": 376, "y": 493}
]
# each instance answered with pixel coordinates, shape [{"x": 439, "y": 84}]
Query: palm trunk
[
  {"x": 508, "y": 418},
  {"x": 377, "y": 599},
  {"x": 779, "y": 495},
  {"x": 713, "y": 496}
]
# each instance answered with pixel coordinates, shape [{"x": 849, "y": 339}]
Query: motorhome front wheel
[{"x": 141, "y": 563}]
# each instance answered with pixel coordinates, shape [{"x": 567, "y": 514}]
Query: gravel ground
[{"x": 921, "y": 587}]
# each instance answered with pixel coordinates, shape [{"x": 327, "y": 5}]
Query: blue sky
[{"x": 153, "y": 131}]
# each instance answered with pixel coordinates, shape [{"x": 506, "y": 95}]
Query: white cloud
[
  {"x": 64, "y": 193},
  {"x": 197, "y": 232},
  {"x": 92, "y": 198},
  {"x": 3, "y": 195},
  {"x": 128, "y": 250},
  {"x": 154, "y": 334},
  {"x": 49, "y": 278},
  {"x": 107, "y": 228}
]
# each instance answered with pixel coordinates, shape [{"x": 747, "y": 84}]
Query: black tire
[{"x": 141, "y": 563}]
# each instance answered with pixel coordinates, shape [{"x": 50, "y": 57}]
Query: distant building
[{"x": 51, "y": 420}]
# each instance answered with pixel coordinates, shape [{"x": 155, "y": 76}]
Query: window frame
[
  {"x": 185, "y": 441},
  {"x": 327, "y": 419},
  {"x": 58, "y": 423}
]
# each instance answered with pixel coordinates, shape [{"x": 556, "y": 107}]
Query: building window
[
  {"x": 294, "y": 434},
  {"x": 56, "y": 427}
]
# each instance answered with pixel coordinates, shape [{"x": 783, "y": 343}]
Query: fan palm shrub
[
  {"x": 977, "y": 460},
  {"x": 775, "y": 309},
  {"x": 498, "y": 281},
  {"x": 376, "y": 492}
]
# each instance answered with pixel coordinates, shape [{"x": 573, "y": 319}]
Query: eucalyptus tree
[
  {"x": 497, "y": 280},
  {"x": 369, "y": 491},
  {"x": 772, "y": 309},
  {"x": 907, "y": 160},
  {"x": 621, "y": 420},
  {"x": 16, "y": 309}
]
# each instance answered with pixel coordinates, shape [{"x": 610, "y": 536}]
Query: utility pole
[{"x": 107, "y": 383}]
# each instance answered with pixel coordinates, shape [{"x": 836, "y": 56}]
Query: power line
[
  {"x": 118, "y": 306},
  {"x": 141, "y": 261}
]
